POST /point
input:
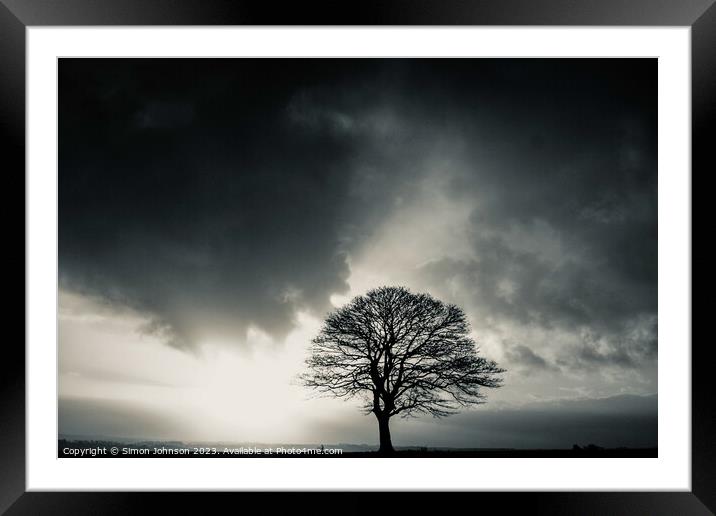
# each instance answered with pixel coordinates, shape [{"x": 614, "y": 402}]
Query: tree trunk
[{"x": 386, "y": 446}]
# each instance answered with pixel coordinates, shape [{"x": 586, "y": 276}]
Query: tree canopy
[{"x": 402, "y": 353}]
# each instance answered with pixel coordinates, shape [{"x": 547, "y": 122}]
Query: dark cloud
[
  {"x": 164, "y": 115},
  {"x": 229, "y": 222},
  {"x": 527, "y": 359},
  {"x": 217, "y": 194}
]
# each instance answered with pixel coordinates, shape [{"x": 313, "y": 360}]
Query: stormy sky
[{"x": 212, "y": 211}]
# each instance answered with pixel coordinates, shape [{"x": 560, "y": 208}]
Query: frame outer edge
[
  {"x": 703, "y": 112},
  {"x": 12, "y": 143},
  {"x": 12, "y": 130},
  {"x": 371, "y": 12}
]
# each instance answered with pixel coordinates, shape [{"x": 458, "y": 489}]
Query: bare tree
[{"x": 402, "y": 353}]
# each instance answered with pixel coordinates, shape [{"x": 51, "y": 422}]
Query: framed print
[{"x": 278, "y": 250}]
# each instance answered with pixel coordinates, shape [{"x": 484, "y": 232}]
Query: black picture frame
[{"x": 17, "y": 15}]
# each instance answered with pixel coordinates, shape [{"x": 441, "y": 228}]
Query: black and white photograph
[
  {"x": 446, "y": 246},
  {"x": 313, "y": 257}
]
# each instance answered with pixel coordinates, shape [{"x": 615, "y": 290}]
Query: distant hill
[{"x": 613, "y": 422}]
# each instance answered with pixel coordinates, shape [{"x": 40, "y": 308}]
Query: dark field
[{"x": 144, "y": 449}]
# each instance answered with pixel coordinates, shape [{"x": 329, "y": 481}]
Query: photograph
[{"x": 357, "y": 257}]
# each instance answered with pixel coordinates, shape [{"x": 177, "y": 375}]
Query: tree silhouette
[{"x": 403, "y": 353}]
